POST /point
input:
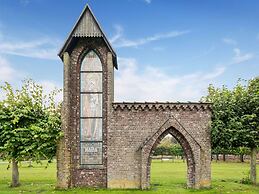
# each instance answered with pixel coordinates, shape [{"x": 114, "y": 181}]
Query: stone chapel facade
[{"x": 108, "y": 144}]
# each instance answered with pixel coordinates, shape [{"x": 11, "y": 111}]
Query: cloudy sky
[{"x": 168, "y": 50}]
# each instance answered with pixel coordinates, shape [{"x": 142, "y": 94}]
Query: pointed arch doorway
[{"x": 191, "y": 148}]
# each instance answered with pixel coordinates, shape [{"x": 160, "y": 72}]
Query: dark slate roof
[{"x": 87, "y": 26}]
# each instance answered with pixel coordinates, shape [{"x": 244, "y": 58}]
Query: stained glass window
[
  {"x": 95, "y": 132},
  {"x": 91, "y": 153},
  {"x": 91, "y": 105},
  {"x": 91, "y": 82}
]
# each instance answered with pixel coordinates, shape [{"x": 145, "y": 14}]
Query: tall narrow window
[{"x": 91, "y": 118}]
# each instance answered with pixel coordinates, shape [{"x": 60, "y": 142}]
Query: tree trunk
[
  {"x": 253, "y": 166},
  {"x": 15, "y": 174},
  {"x": 224, "y": 157},
  {"x": 30, "y": 163},
  {"x": 217, "y": 157},
  {"x": 241, "y": 157}
]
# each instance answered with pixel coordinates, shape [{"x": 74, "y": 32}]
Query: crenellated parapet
[
  {"x": 162, "y": 106},
  {"x": 109, "y": 144}
]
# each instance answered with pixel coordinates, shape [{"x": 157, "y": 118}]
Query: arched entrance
[
  {"x": 109, "y": 144},
  {"x": 188, "y": 143},
  {"x": 187, "y": 152}
]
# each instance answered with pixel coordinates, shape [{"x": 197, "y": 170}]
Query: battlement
[
  {"x": 161, "y": 106},
  {"x": 109, "y": 144}
]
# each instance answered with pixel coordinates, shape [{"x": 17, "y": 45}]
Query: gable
[{"x": 87, "y": 26}]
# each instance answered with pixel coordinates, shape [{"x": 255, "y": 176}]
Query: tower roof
[{"x": 87, "y": 26}]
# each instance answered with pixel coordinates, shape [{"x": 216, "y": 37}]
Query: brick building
[{"x": 108, "y": 144}]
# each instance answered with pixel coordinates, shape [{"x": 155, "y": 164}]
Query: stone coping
[{"x": 162, "y": 106}]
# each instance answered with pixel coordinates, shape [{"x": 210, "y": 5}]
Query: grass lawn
[{"x": 166, "y": 177}]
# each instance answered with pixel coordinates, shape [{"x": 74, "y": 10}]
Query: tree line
[
  {"x": 235, "y": 123},
  {"x": 169, "y": 147},
  {"x": 30, "y": 123},
  {"x": 235, "y": 119}
]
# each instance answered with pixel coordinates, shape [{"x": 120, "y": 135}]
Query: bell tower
[{"x": 89, "y": 62}]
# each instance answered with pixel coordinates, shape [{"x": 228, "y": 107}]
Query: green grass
[{"x": 166, "y": 177}]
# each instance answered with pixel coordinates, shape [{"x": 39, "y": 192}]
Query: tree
[
  {"x": 221, "y": 113},
  {"x": 251, "y": 123},
  {"x": 235, "y": 116},
  {"x": 29, "y": 125},
  {"x": 241, "y": 151},
  {"x": 169, "y": 146},
  {"x": 176, "y": 150}
]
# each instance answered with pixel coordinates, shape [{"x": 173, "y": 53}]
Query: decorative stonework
[
  {"x": 161, "y": 106},
  {"x": 136, "y": 130},
  {"x": 130, "y": 130}
]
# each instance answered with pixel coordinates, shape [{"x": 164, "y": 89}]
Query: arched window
[{"x": 91, "y": 105}]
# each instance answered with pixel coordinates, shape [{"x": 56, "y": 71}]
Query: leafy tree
[
  {"x": 161, "y": 150},
  {"x": 251, "y": 123},
  {"x": 176, "y": 150},
  {"x": 221, "y": 99},
  {"x": 235, "y": 119},
  {"x": 168, "y": 147},
  {"x": 241, "y": 151},
  {"x": 29, "y": 125}
]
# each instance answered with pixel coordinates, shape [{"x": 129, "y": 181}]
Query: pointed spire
[{"x": 87, "y": 26}]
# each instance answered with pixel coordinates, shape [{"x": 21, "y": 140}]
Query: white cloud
[
  {"x": 133, "y": 83},
  {"x": 229, "y": 41},
  {"x": 118, "y": 40},
  {"x": 118, "y": 34},
  {"x": 49, "y": 86},
  {"x": 158, "y": 48},
  {"x": 24, "y": 2},
  {"x": 42, "y": 48},
  {"x": 240, "y": 57},
  {"x": 7, "y": 73},
  {"x": 148, "y": 1},
  {"x": 205, "y": 53},
  {"x": 217, "y": 72},
  {"x": 1, "y": 34}
]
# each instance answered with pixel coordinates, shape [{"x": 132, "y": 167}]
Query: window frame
[{"x": 91, "y": 165}]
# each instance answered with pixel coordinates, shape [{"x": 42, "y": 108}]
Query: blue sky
[{"x": 168, "y": 50}]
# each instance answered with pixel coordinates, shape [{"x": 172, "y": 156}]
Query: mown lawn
[{"x": 166, "y": 177}]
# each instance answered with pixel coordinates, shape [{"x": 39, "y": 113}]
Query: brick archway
[
  {"x": 188, "y": 143},
  {"x": 129, "y": 130}
]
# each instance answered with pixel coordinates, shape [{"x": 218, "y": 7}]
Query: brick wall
[
  {"x": 130, "y": 131},
  {"x": 90, "y": 176},
  {"x": 136, "y": 128}
]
